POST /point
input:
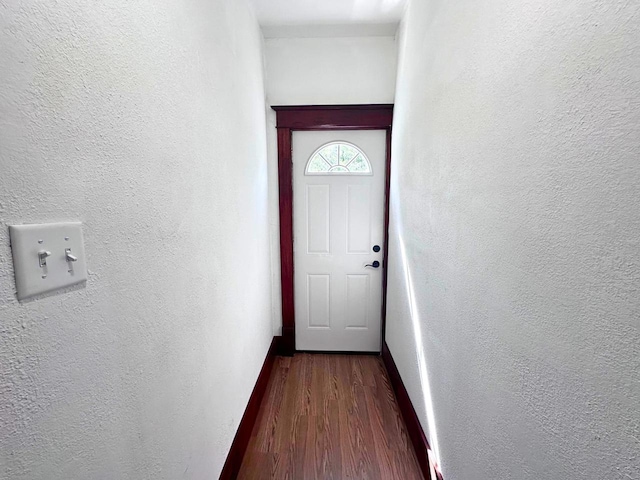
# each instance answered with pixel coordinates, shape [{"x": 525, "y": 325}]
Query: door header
[{"x": 334, "y": 117}]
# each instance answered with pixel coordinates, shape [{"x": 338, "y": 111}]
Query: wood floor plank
[{"x": 329, "y": 417}]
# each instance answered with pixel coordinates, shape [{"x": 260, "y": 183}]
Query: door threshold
[{"x": 337, "y": 352}]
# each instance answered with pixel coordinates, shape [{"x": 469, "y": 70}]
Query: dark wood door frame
[{"x": 321, "y": 117}]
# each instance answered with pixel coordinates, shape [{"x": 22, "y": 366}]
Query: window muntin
[{"x": 338, "y": 158}]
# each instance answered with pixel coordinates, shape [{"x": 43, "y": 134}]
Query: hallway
[
  {"x": 329, "y": 417},
  {"x": 192, "y": 189}
]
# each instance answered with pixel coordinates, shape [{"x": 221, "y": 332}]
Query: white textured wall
[
  {"x": 145, "y": 120},
  {"x": 516, "y": 182},
  {"x": 320, "y": 71},
  {"x": 309, "y": 71}
]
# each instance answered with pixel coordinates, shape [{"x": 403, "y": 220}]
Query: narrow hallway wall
[
  {"x": 514, "y": 283},
  {"x": 144, "y": 120}
]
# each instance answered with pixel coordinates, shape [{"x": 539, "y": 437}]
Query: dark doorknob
[
  {"x": 375, "y": 264},
  {"x": 376, "y": 248}
]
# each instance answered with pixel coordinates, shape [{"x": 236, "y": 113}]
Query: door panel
[
  {"x": 318, "y": 287},
  {"x": 359, "y": 219},
  {"x": 357, "y": 289},
  {"x": 318, "y": 218},
  {"x": 338, "y": 218}
]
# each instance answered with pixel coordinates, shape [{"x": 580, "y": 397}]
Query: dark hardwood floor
[{"x": 329, "y": 417}]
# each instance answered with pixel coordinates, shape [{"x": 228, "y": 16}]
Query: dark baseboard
[
  {"x": 338, "y": 352},
  {"x": 241, "y": 440},
  {"x": 414, "y": 429}
]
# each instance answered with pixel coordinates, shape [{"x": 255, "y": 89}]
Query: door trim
[{"x": 290, "y": 118}]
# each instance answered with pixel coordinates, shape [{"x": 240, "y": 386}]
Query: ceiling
[{"x": 292, "y": 13}]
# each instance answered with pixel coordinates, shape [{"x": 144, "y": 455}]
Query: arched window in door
[{"x": 338, "y": 158}]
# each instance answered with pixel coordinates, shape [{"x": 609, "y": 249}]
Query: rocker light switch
[{"x": 47, "y": 257}]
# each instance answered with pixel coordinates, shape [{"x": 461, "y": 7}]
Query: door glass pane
[{"x": 339, "y": 158}]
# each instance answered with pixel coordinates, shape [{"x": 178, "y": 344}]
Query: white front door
[{"x": 338, "y": 190}]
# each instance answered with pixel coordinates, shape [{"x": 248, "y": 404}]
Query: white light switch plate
[{"x": 58, "y": 271}]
